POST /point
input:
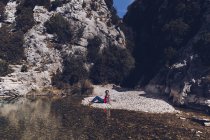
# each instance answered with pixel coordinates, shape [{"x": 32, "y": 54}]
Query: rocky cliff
[
  {"x": 172, "y": 49},
  {"x": 53, "y": 34}
]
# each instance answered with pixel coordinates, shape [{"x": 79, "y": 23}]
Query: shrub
[
  {"x": 24, "y": 68},
  {"x": 86, "y": 87},
  {"x": 56, "y": 80},
  {"x": 33, "y": 3},
  {"x": 175, "y": 31},
  {"x": 77, "y": 33},
  {"x": 74, "y": 70},
  {"x": 94, "y": 6},
  {"x": 73, "y": 77},
  {"x": 4, "y": 1},
  {"x": 112, "y": 66},
  {"x": 84, "y": 4},
  {"x": 55, "y": 4},
  {"x": 4, "y": 68},
  {"x": 170, "y": 52},
  {"x": 24, "y": 19},
  {"x": 202, "y": 48},
  {"x": 2, "y": 8},
  {"x": 129, "y": 37},
  {"x": 93, "y": 49},
  {"x": 109, "y": 4},
  {"x": 61, "y": 27},
  {"x": 83, "y": 87},
  {"x": 11, "y": 45},
  {"x": 114, "y": 17}
]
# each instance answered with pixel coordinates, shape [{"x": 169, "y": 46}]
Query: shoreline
[{"x": 130, "y": 100}]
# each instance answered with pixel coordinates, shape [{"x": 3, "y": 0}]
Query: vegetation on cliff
[
  {"x": 11, "y": 45},
  {"x": 162, "y": 28}
]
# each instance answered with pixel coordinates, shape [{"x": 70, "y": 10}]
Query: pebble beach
[{"x": 129, "y": 100}]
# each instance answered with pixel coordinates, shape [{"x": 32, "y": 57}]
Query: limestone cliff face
[
  {"x": 42, "y": 59},
  {"x": 172, "y": 49}
]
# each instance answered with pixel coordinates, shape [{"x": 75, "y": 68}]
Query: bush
[
  {"x": 84, "y": 4},
  {"x": 56, "y": 80},
  {"x": 24, "y": 19},
  {"x": 4, "y": 68},
  {"x": 24, "y": 68},
  {"x": 202, "y": 48},
  {"x": 74, "y": 70},
  {"x": 2, "y": 8},
  {"x": 109, "y": 4},
  {"x": 170, "y": 52},
  {"x": 11, "y": 45},
  {"x": 175, "y": 31},
  {"x": 94, "y": 6},
  {"x": 114, "y": 17},
  {"x": 4, "y": 1},
  {"x": 112, "y": 66},
  {"x": 86, "y": 87},
  {"x": 93, "y": 49},
  {"x": 73, "y": 76},
  {"x": 129, "y": 37},
  {"x": 33, "y": 3},
  {"x": 55, "y": 4},
  {"x": 61, "y": 27},
  {"x": 77, "y": 33},
  {"x": 83, "y": 87}
]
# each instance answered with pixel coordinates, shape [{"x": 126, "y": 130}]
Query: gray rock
[
  {"x": 202, "y": 121},
  {"x": 39, "y": 51},
  {"x": 207, "y": 124}
]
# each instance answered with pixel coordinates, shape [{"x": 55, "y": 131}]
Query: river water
[{"x": 46, "y": 118}]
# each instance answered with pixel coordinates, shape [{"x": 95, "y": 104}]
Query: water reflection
[
  {"x": 108, "y": 113},
  {"x": 47, "y": 118},
  {"x": 67, "y": 119},
  {"x": 32, "y": 119}
]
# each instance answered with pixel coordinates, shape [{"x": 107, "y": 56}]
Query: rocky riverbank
[{"x": 130, "y": 100}]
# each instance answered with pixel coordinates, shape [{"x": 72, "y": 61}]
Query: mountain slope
[{"x": 56, "y": 36}]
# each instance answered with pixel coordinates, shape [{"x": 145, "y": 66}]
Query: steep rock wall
[
  {"x": 43, "y": 60},
  {"x": 172, "y": 49}
]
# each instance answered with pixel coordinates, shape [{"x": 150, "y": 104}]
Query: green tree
[
  {"x": 112, "y": 66},
  {"x": 61, "y": 27}
]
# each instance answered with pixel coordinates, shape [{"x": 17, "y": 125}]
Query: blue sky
[{"x": 121, "y": 6}]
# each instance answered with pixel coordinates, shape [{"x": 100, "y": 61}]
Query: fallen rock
[
  {"x": 182, "y": 118},
  {"x": 202, "y": 121},
  {"x": 198, "y": 133},
  {"x": 207, "y": 124}
]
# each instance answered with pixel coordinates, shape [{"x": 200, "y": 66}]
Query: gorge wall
[
  {"x": 172, "y": 49},
  {"x": 45, "y": 43}
]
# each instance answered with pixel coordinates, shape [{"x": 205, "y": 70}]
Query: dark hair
[{"x": 107, "y": 94}]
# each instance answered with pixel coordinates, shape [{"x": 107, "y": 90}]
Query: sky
[{"x": 121, "y": 6}]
